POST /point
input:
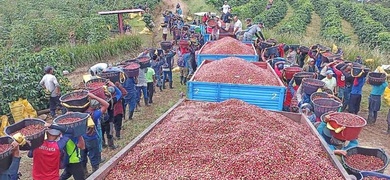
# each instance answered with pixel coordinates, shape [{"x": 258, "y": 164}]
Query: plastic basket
[
  {"x": 289, "y": 72},
  {"x": 113, "y": 76},
  {"x": 6, "y": 156},
  {"x": 132, "y": 69},
  {"x": 311, "y": 85},
  {"x": 376, "y": 79},
  {"x": 349, "y": 132},
  {"x": 323, "y": 105},
  {"x": 363, "y": 174},
  {"x": 36, "y": 140},
  {"x": 304, "y": 49},
  {"x": 75, "y": 98},
  {"x": 79, "y": 127},
  {"x": 318, "y": 95},
  {"x": 88, "y": 83},
  {"x": 144, "y": 62},
  {"x": 379, "y": 153},
  {"x": 300, "y": 75},
  {"x": 165, "y": 45}
]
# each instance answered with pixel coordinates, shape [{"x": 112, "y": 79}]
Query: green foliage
[
  {"x": 273, "y": 16},
  {"x": 232, "y": 3},
  {"x": 330, "y": 21},
  {"x": 21, "y": 77},
  {"x": 148, "y": 21},
  {"x": 297, "y": 23},
  {"x": 365, "y": 27},
  {"x": 384, "y": 40},
  {"x": 46, "y": 23},
  {"x": 248, "y": 10},
  {"x": 379, "y": 13}
]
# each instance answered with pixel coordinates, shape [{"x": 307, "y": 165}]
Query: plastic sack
[
  {"x": 386, "y": 96},
  {"x": 22, "y": 109},
  {"x": 4, "y": 123},
  {"x": 334, "y": 48},
  {"x": 90, "y": 122},
  {"x": 381, "y": 69}
]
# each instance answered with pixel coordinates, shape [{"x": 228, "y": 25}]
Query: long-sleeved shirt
[
  {"x": 357, "y": 88},
  {"x": 309, "y": 68},
  {"x": 340, "y": 78},
  {"x": 168, "y": 59},
  {"x": 142, "y": 78},
  {"x": 12, "y": 172},
  {"x": 129, "y": 86},
  {"x": 379, "y": 90}
]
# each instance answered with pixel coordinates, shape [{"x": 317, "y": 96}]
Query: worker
[
  {"x": 228, "y": 17},
  {"x": 12, "y": 172},
  {"x": 93, "y": 137},
  {"x": 339, "y": 147},
  {"x": 96, "y": 69},
  {"x": 311, "y": 67},
  {"x": 346, "y": 70},
  {"x": 52, "y": 88},
  {"x": 47, "y": 157},
  {"x": 131, "y": 97},
  {"x": 107, "y": 127},
  {"x": 330, "y": 81},
  {"x": 374, "y": 102},
  {"x": 356, "y": 93},
  {"x": 237, "y": 26},
  {"x": 291, "y": 89},
  {"x": 254, "y": 29},
  {"x": 167, "y": 67}
]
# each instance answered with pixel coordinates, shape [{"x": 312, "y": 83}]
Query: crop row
[
  {"x": 273, "y": 16},
  {"x": 369, "y": 31},
  {"x": 250, "y": 8},
  {"x": 20, "y": 78},
  {"x": 233, "y": 3},
  {"x": 330, "y": 21},
  {"x": 301, "y": 18},
  {"x": 380, "y": 14}
]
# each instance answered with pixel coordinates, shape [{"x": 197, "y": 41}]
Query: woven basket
[
  {"x": 79, "y": 127},
  {"x": 323, "y": 105},
  {"x": 311, "y": 85},
  {"x": 376, "y": 79},
  {"x": 379, "y": 153},
  {"x": 36, "y": 140},
  {"x": 300, "y": 75}
]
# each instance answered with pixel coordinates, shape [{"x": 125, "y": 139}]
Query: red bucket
[
  {"x": 349, "y": 132},
  {"x": 290, "y": 71}
]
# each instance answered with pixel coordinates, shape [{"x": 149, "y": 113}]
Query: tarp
[{"x": 202, "y": 13}]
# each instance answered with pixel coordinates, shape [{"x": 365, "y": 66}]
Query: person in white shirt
[
  {"x": 225, "y": 7},
  {"x": 330, "y": 81},
  {"x": 237, "y": 26},
  {"x": 216, "y": 29},
  {"x": 97, "y": 69},
  {"x": 50, "y": 84}
]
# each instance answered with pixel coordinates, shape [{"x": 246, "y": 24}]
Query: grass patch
[
  {"x": 199, "y": 6},
  {"x": 289, "y": 13},
  {"x": 314, "y": 28},
  {"x": 349, "y": 31}
]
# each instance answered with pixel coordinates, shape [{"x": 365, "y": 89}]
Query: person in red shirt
[
  {"x": 118, "y": 111},
  {"x": 46, "y": 158},
  {"x": 340, "y": 79},
  {"x": 291, "y": 89}
]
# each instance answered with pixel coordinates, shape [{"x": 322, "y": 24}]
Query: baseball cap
[
  {"x": 311, "y": 60},
  {"x": 111, "y": 89},
  {"x": 94, "y": 103},
  {"x": 54, "y": 132},
  {"x": 329, "y": 72},
  {"x": 47, "y": 69}
]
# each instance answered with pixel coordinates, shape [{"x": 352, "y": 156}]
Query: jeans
[
  {"x": 132, "y": 102},
  {"x": 144, "y": 92},
  {"x": 150, "y": 89},
  {"x": 106, "y": 129},
  {"x": 247, "y": 37},
  {"x": 347, "y": 97},
  {"x": 158, "y": 79},
  {"x": 118, "y": 125},
  {"x": 165, "y": 74},
  {"x": 74, "y": 169},
  {"x": 340, "y": 93},
  {"x": 374, "y": 105},
  {"x": 354, "y": 103},
  {"x": 54, "y": 102},
  {"x": 91, "y": 151}
]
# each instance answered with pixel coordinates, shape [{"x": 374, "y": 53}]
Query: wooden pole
[{"x": 120, "y": 23}]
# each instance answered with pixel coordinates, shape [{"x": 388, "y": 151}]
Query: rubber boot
[
  {"x": 94, "y": 169},
  {"x": 146, "y": 102},
  {"x": 160, "y": 87},
  {"x": 185, "y": 81},
  {"x": 86, "y": 174},
  {"x": 181, "y": 80},
  {"x": 170, "y": 85},
  {"x": 104, "y": 142},
  {"x": 111, "y": 144},
  {"x": 163, "y": 85},
  {"x": 131, "y": 113}
]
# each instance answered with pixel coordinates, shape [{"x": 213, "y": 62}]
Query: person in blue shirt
[
  {"x": 131, "y": 97},
  {"x": 337, "y": 146},
  {"x": 374, "y": 102},
  {"x": 93, "y": 136},
  {"x": 156, "y": 65},
  {"x": 12, "y": 172},
  {"x": 107, "y": 126},
  {"x": 356, "y": 94},
  {"x": 167, "y": 67}
]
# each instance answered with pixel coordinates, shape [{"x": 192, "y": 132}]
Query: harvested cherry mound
[
  {"x": 237, "y": 71},
  {"x": 227, "y": 45},
  {"x": 96, "y": 85},
  {"x": 132, "y": 66},
  {"x": 4, "y": 147},
  {"x": 364, "y": 163},
  {"x": 68, "y": 120},
  {"x": 374, "y": 178},
  {"x": 30, "y": 130},
  {"x": 228, "y": 140},
  {"x": 347, "y": 119}
]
